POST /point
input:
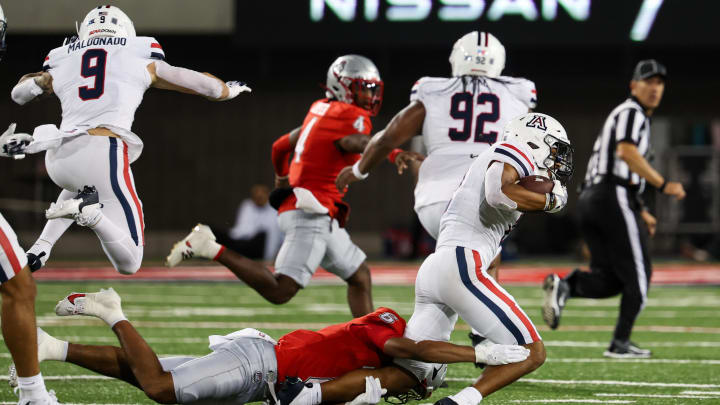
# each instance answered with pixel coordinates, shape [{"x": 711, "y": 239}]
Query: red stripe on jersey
[
  {"x": 47, "y": 58},
  {"x": 6, "y": 246},
  {"x": 490, "y": 286},
  {"x": 533, "y": 91},
  {"x": 507, "y": 145},
  {"x": 155, "y": 45}
]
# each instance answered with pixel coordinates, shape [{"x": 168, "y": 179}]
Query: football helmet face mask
[
  {"x": 477, "y": 54},
  {"x": 424, "y": 389},
  {"x": 547, "y": 140},
  {"x": 354, "y": 79},
  {"x": 106, "y": 21},
  {"x": 3, "y": 29}
]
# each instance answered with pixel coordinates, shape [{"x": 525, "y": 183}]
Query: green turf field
[{"x": 680, "y": 324}]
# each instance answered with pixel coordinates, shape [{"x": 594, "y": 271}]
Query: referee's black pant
[{"x": 617, "y": 237}]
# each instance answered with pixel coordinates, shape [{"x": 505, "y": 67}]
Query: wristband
[
  {"x": 393, "y": 155},
  {"x": 662, "y": 187},
  {"x": 357, "y": 173},
  {"x": 549, "y": 201}
]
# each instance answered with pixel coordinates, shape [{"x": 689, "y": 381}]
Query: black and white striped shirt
[{"x": 626, "y": 123}]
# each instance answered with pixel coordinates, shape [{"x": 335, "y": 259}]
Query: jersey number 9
[
  {"x": 466, "y": 114},
  {"x": 93, "y": 65}
]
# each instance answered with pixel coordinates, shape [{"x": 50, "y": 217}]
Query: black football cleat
[
  {"x": 291, "y": 388},
  {"x": 557, "y": 292},
  {"x": 626, "y": 350},
  {"x": 445, "y": 401}
]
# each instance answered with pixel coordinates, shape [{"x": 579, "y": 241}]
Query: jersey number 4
[
  {"x": 93, "y": 65},
  {"x": 461, "y": 108}
]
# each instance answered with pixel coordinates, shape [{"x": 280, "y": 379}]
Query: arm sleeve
[
  {"x": 189, "y": 79},
  {"x": 627, "y": 128},
  {"x": 25, "y": 91},
  {"x": 281, "y": 154},
  {"x": 493, "y": 188}
]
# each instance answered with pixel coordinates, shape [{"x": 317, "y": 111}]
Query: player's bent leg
[
  {"x": 497, "y": 377},
  {"x": 359, "y": 293},
  {"x": 39, "y": 253}
]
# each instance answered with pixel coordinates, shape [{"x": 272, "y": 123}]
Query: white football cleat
[
  {"x": 84, "y": 202},
  {"x": 105, "y": 305},
  {"x": 200, "y": 243}
]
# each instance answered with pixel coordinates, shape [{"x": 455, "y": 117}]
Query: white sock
[
  {"x": 52, "y": 348},
  {"x": 32, "y": 387},
  {"x": 468, "y": 396}
]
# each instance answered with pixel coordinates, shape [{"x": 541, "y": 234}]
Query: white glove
[
  {"x": 235, "y": 88},
  {"x": 560, "y": 195},
  {"x": 493, "y": 354},
  {"x": 12, "y": 144},
  {"x": 372, "y": 395}
]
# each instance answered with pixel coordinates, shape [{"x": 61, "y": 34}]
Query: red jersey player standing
[{"x": 311, "y": 210}]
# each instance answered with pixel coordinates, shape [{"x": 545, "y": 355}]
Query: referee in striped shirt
[{"x": 613, "y": 220}]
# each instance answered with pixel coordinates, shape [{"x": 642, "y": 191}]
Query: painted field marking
[
  {"x": 644, "y": 361},
  {"x": 79, "y": 321},
  {"x": 571, "y": 343},
  {"x": 569, "y": 401},
  {"x": 602, "y": 382},
  {"x": 701, "y": 392},
  {"x": 607, "y": 394}
]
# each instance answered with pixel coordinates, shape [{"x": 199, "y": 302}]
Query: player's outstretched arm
[
  {"x": 32, "y": 86},
  {"x": 168, "y": 77},
  {"x": 352, "y": 384},
  {"x": 355, "y": 143},
  {"x": 406, "y": 124}
]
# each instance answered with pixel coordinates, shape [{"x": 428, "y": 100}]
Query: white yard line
[
  {"x": 604, "y": 394},
  {"x": 700, "y": 392},
  {"x": 568, "y": 401},
  {"x": 572, "y": 343},
  {"x": 602, "y": 382},
  {"x": 644, "y": 361}
]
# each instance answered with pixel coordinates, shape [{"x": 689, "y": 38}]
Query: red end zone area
[{"x": 382, "y": 274}]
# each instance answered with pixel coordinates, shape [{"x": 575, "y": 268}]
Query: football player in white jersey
[
  {"x": 459, "y": 118},
  {"x": 483, "y": 210},
  {"x": 17, "y": 287},
  {"x": 100, "y": 79}
]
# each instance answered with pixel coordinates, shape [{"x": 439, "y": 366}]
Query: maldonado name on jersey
[{"x": 96, "y": 42}]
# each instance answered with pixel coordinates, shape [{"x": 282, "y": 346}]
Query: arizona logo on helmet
[{"x": 537, "y": 121}]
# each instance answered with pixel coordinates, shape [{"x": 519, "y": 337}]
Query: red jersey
[
  {"x": 338, "y": 349},
  {"x": 317, "y": 161}
]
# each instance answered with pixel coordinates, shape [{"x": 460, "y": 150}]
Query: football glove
[
  {"x": 372, "y": 395},
  {"x": 235, "y": 88},
  {"x": 493, "y": 354},
  {"x": 557, "y": 199},
  {"x": 12, "y": 144}
]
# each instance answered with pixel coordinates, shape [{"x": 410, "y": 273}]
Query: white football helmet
[
  {"x": 477, "y": 54},
  {"x": 3, "y": 28},
  {"x": 106, "y": 21},
  {"x": 547, "y": 140},
  {"x": 349, "y": 77}
]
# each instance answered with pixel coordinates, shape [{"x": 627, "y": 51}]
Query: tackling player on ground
[
  {"x": 100, "y": 78},
  {"x": 311, "y": 211},
  {"x": 17, "y": 287},
  {"x": 246, "y": 365}
]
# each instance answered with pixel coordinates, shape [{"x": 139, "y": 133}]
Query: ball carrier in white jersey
[
  {"x": 17, "y": 287},
  {"x": 100, "y": 79},
  {"x": 484, "y": 209}
]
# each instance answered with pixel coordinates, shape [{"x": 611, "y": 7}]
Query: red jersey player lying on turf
[
  {"x": 311, "y": 211},
  {"x": 245, "y": 366}
]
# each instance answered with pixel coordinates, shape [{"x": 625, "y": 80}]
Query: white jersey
[
  {"x": 463, "y": 118},
  {"x": 101, "y": 81},
  {"x": 469, "y": 220}
]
